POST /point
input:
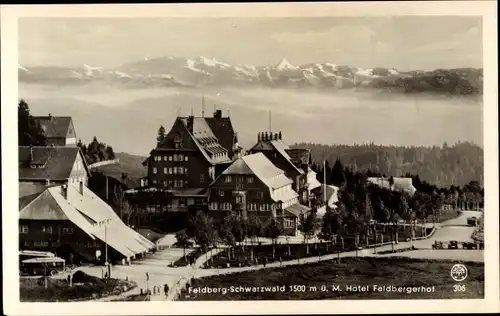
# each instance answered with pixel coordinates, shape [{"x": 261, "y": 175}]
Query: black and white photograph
[{"x": 230, "y": 158}]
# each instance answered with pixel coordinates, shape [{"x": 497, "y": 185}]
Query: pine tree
[
  {"x": 161, "y": 135},
  {"x": 337, "y": 174},
  {"x": 30, "y": 133}
]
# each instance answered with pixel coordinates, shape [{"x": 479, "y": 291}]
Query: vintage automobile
[
  {"x": 470, "y": 245},
  {"x": 453, "y": 244},
  {"x": 472, "y": 221},
  {"x": 438, "y": 245}
]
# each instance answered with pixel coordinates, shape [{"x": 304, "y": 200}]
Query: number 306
[{"x": 458, "y": 288}]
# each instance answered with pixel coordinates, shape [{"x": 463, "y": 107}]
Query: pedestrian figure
[
  {"x": 165, "y": 289},
  {"x": 281, "y": 262},
  {"x": 264, "y": 261}
]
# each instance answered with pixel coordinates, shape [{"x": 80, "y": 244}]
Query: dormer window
[{"x": 178, "y": 141}]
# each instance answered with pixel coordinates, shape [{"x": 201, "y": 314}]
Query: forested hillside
[{"x": 440, "y": 165}]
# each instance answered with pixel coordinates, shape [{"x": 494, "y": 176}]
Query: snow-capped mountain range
[{"x": 202, "y": 71}]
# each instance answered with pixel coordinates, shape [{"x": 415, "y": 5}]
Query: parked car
[
  {"x": 438, "y": 245},
  {"x": 453, "y": 244},
  {"x": 472, "y": 221},
  {"x": 470, "y": 245}
]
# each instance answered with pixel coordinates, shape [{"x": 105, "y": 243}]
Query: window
[
  {"x": 47, "y": 229},
  {"x": 23, "y": 229},
  {"x": 41, "y": 244},
  {"x": 170, "y": 158},
  {"x": 165, "y": 158},
  {"x": 288, "y": 223},
  {"x": 67, "y": 230},
  {"x": 250, "y": 180},
  {"x": 228, "y": 179},
  {"x": 154, "y": 181},
  {"x": 202, "y": 177},
  {"x": 165, "y": 170},
  {"x": 186, "y": 171},
  {"x": 155, "y": 171},
  {"x": 260, "y": 195},
  {"x": 165, "y": 183},
  {"x": 185, "y": 158},
  {"x": 238, "y": 199},
  {"x": 221, "y": 193},
  {"x": 178, "y": 183},
  {"x": 170, "y": 170},
  {"x": 182, "y": 202},
  {"x": 213, "y": 206}
]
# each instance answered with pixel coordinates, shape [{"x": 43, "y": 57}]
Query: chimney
[
  {"x": 218, "y": 114},
  {"x": 81, "y": 187},
  {"x": 47, "y": 182},
  {"x": 189, "y": 123},
  {"x": 266, "y": 136},
  {"x": 275, "y": 135},
  {"x": 259, "y": 138},
  {"x": 279, "y": 135},
  {"x": 50, "y": 116},
  {"x": 64, "y": 191}
]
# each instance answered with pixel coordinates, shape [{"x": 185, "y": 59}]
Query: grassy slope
[
  {"x": 351, "y": 271},
  {"x": 130, "y": 164}
]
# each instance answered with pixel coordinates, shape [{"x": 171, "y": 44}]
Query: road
[
  {"x": 156, "y": 265},
  {"x": 454, "y": 229},
  {"x": 176, "y": 278}
]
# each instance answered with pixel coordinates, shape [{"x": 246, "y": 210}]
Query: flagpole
[{"x": 324, "y": 181}]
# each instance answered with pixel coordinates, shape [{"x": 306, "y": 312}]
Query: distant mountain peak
[{"x": 284, "y": 64}]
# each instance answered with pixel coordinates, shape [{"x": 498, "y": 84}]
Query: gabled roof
[
  {"x": 297, "y": 210},
  {"x": 258, "y": 165},
  {"x": 54, "y": 126},
  {"x": 299, "y": 155},
  {"x": 400, "y": 184},
  {"x": 86, "y": 210},
  {"x": 223, "y": 130},
  {"x": 56, "y": 162},
  {"x": 281, "y": 147},
  {"x": 204, "y": 138},
  {"x": 238, "y": 167}
]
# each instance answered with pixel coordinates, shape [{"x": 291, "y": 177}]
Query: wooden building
[
  {"x": 192, "y": 154},
  {"x": 253, "y": 185},
  {"x": 76, "y": 224},
  {"x": 294, "y": 162},
  {"x": 52, "y": 165},
  {"x": 58, "y": 130}
]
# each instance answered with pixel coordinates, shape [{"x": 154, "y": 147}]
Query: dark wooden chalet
[
  {"x": 58, "y": 130},
  {"x": 252, "y": 185}
]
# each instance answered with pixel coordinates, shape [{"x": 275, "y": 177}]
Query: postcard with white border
[{"x": 252, "y": 158}]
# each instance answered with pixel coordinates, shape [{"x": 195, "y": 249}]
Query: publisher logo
[{"x": 458, "y": 272}]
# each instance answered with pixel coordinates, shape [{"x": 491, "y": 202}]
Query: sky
[{"x": 404, "y": 42}]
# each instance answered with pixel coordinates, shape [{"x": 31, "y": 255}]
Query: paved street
[
  {"x": 154, "y": 264},
  {"x": 159, "y": 272}
]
